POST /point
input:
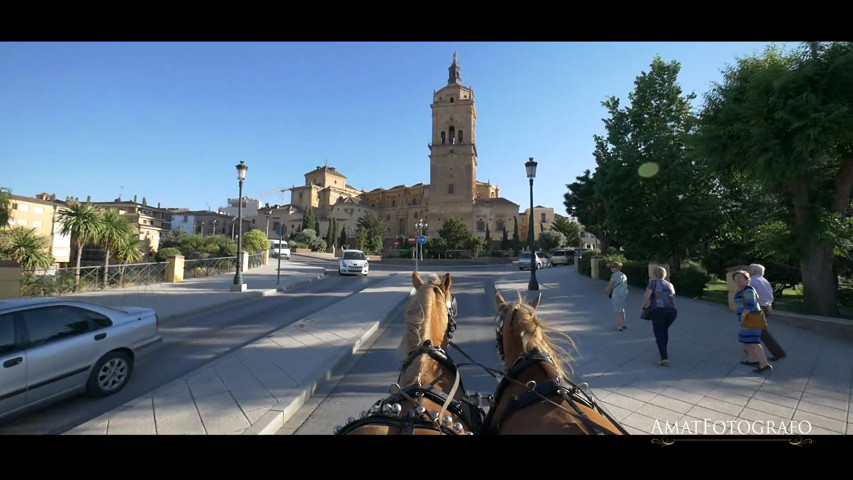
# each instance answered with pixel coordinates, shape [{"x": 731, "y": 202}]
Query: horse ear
[
  {"x": 416, "y": 279},
  {"x": 535, "y": 303},
  {"x": 499, "y": 299},
  {"x": 446, "y": 282}
]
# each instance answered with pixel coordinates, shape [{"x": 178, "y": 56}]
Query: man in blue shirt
[{"x": 765, "y": 300}]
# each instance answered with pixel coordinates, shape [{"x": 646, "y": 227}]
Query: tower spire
[{"x": 455, "y": 73}]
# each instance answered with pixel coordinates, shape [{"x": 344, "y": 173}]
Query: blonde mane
[
  {"x": 535, "y": 333},
  {"x": 417, "y": 314}
]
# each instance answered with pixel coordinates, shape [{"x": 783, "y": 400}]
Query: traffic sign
[
  {"x": 281, "y": 230},
  {"x": 422, "y": 239},
  {"x": 411, "y": 240}
]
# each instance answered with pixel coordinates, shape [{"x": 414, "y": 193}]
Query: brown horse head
[
  {"x": 428, "y": 398},
  {"x": 426, "y": 318},
  {"x": 521, "y": 331},
  {"x": 535, "y": 396}
]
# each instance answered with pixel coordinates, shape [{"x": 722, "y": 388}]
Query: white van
[{"x": 276, "y": 249}]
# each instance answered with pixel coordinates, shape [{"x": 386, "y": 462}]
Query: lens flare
[{"x": 648, "y": 169}]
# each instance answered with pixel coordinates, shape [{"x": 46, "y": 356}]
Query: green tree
[
  {"x": 309, "y": 219},
  {"x": 330, "y": 232},
  {"x": 570, "y": 230},
  {"x": 114, "y": 232},
  {"x": 131, "y": 251},
  {"x": 342, "y": 240},
  {"x": 505, "y": 240},
  {"x": 317, "y": 225},
  {"x": 583, "y": 202},
  {"x": 454, "y": 232},
  {"x": 515, "y": 240},
  {"x": 488, "y": 240},
  {"x": 175, "y": 238},
  {"x": 370, "y": 231},
  {"x": 255, "y": 241},
  {"x": 550, "y": 239},
  {"x": 475, "y": 244},
  {"x": 82, "y": 222},
  {"x": 5, "y": 206},
  {"x": 785, "y": 120},
  {"x": 659, "y": 201},
  {"x": 26, "y": 247}
]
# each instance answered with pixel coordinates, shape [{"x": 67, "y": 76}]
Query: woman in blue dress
[{"x": 747, "y": 299}]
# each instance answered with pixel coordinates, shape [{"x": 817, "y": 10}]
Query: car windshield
[{"x": 354, "y": 256}]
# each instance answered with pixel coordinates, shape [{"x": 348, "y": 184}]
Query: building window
[
  {"x": 500, "y": 225},
  {"x": 450, "y": 189},
  {"x": 460, "y": 137},
  {"x": 38, "y": 210},
  {"x": 481, "y": 226},
  {"x": 442, "y": 138},
  {"x": 387, "y": 218},
  {"x": 24, "y": 208},
  {"x": 36, "y": 224},
  {"x": 452, "y": 134},
  {"x": 543, "y": 219},
  {"x": 22, "y": 221}
]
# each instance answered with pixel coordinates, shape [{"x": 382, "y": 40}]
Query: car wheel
[{"x": 111, "y": 374}]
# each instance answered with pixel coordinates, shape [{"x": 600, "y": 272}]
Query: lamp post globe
[
  {"x": 238, "y": 277},
  {"x": 530, "y": 165}
]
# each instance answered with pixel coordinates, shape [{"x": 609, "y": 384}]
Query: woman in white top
[{"x": 618, "y": 291}]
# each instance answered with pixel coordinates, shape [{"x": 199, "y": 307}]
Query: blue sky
[{"x": 169, "y": 121}]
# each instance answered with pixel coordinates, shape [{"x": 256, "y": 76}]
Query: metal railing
[
  {"x": 205, "y": 267},
  {"x": 255, "y": 260},
  {"x": 61, "y": 281}
]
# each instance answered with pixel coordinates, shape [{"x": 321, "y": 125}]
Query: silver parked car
[
  {"x": 51, "y": 349},
  {"x": 523, "y": 262}
]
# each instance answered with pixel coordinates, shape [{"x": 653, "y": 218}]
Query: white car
[
  {"x": 52, "y": 349},
  {"x": 353, "y": 262},
  {"x": 281, "y": 249}
]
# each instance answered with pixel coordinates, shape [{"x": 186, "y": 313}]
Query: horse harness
[
  {"x": 388, "y": 411},
  {"x": 567, "y": 390}
]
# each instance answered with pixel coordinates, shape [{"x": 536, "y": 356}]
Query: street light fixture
[
  {"x": 419, "y": 228},
  {"x": 530, "y": 165},
  {"x": 238, "y": 277}
]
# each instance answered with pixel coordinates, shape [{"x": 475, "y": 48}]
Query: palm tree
[
  {"x": 115, "y": 231},
  {"x": 129, "y": 252},
  {"x": 26, "y": 247},
  {"x": 5, "y": 206},
  {"x": 82, "y": 221}
]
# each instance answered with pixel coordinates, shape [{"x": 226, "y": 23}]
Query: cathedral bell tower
[{"x": 453, "y": 154}]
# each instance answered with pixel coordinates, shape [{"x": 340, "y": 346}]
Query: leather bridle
[{"x": 387, "y": 411}]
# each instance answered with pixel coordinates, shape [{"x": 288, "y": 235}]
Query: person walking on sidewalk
[
  {"x": 747, "y": 300},
  {"x": 660, "y": 295},
  {"x": 765, "y": 301},
  {"x": 617, "y": 290}
]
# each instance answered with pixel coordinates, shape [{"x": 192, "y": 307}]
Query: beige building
[
  {"x": 152, "y": 223},
  {"x": 40, "y": 212},
  {"x": 453, "y": 191}
]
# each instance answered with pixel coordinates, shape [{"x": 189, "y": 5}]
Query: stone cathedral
[{"x": 453, "y": 191}]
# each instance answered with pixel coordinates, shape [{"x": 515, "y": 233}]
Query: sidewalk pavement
[{"x": 705, "y": 382}]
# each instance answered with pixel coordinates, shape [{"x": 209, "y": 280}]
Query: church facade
[{"x": 453, "y": 191}]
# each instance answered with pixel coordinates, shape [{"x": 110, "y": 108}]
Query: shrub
[
  {"x": 690, "y": 281},
  {"x": 637, "y": 273},
  {"x": 163, "y": 254},
  {"x": 584, "y": 266}
]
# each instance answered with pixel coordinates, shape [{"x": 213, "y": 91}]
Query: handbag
[
  {"x": 610, "y": 295},
  {"x": 750, "y": 319},
  {"x": 647, "y": 313}
]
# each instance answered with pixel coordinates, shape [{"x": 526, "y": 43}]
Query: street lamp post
[
  {"x": 530, "y": 165},
  {"x": 419, "y": 229},
  {"x": 238, "y": 277}
]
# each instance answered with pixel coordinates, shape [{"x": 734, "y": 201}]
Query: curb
[{"x": 275, "y": 418}]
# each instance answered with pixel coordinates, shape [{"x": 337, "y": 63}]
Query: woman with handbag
[
  {"x": 746, "y": 300},
  {"x": 617, "y": 290},
  {"x": 660, "y": 297}
]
